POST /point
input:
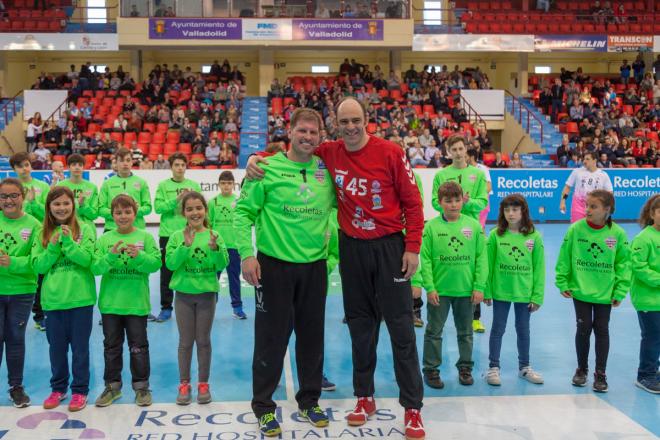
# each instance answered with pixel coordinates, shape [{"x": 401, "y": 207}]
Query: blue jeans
[
  {"x": 649, "y": 348},
  {"x": 500, "y": 316},
  {"x": 14, "y": 316},
  {"x": 234, "y": 275},
  {"x": 66, "y": 328}
]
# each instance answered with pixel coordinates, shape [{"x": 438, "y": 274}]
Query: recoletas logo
[
  {"x": 516, "y": 253},
  {"x": 70, "y": 428},
  {"x": 455, "y": 244},
  {"x": 595, "y": 250},
  {"x": 7, "y": 241}
]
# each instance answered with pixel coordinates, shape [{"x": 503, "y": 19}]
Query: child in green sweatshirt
[
  {"x": 454, "y": 274},
  {"x": 645, "y": 294},
  {"x": 85, "y": 192},
  {"x": 593, "y": 269},
  {"x": 195, "y": 255},
  {"x": 18, "y": 232},
  {"x": 125, "y": 257},
  {"x": 516, "y": 275},
  {"x": 63, "y": 254}
]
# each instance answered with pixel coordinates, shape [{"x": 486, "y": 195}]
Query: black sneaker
[
  {"x": 580, "y": 377},
  {"x": 432, "y": 379},
  {"x": 326, "y": 385},
  {"x": 465, "y": 376},
  {"x": 600, "y": 382},
  {"x": 19, "y": 397}
]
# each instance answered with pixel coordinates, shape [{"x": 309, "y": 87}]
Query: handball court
[{"x": 515, "y": 410}]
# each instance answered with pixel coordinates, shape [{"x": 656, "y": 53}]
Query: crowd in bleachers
[
  {"x": 172, "y": 110},
  {"x": 33, "y": 16},
  {"x": 417, "y": 111},
  {"x": 618, "y": 118}
]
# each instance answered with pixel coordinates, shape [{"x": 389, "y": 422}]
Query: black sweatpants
[
  {"x": 135, "y": 329},
  {"x": 166, "y": 294},
  {"x": 590, "y": 316},
  {"x": 289, "y": 293},
  {"x": 373, "y": 287}
]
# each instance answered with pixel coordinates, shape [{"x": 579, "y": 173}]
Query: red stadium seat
[{"x": 144, "y": 137}]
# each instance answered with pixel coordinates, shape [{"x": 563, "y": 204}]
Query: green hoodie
[
  {"x": 454, "y": 258},
  {"x": 290, "y": 208},
  {"x": 516, "y": 267},
  {"x": 645, "y": 291},
  {"x": 168, "y": 206},
  {"x": 195, "y": 267},
  {"x": 68, "y": 281},
  {"x": 594, "y": 264},
  {"x": 221, "y": 216},
  {"x": 473, "y": 182},
  {"x": 132, "y": 185},
  {"x": 37, "y": 207},
  {"x": 16, "y": 240},
  {"x": 89, "y": 211},
  {"x": 125, "y": 281}
]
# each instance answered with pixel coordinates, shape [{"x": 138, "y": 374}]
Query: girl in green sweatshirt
[
  {"x": 194, "y": 255},
  {"x": 63, "y": 252},
  {"x": 645, "y": 294},
  {"x": 125, "y": 257},
  {"x": 516, "y": 275},
  {"x": 593, "y": 269},
  {"x": 19, "y": 282}
]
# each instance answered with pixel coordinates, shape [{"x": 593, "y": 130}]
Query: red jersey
[{"x": 376, "y": 190}]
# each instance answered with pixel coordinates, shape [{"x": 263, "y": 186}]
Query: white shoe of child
[{"x": 530, "y": 375}]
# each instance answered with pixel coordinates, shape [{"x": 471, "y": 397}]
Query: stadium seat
[{"x": 144, "y": 137}]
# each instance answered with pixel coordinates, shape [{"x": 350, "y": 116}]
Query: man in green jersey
[
  {"x": 85, "y": 192},
  {"x": 36, "y": 192},
  {"x": 168, "y": 196},
  {"x": 124, "y": 182},
  {"x": 290, "y": 208}
]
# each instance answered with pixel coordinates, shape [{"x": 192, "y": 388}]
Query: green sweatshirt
[
  {"x": 125, "y": 281},
  {"x": 333, "y": 242},
  {"x": 473, "y": 182},
  {"x": 89, "y": 210},
  {"x": 221, "y": 216},
  {"x": 132, "y": 185},
  {"x": 37, "y": 207},
  {"x": 645, "y": 290},
  {"x": 290, "y": 208},
  {"x": 516, "y": 267},
  {"x": 168, "y": 206},
  {"x": 16, "y": 240},
  {"x": 416, "y": 280},
  {"x": 68, "y": 282},
  {"x": 594, "y": 264},
  {"x": 454, "y": 258},
  {"x": 195, "y": 267}
]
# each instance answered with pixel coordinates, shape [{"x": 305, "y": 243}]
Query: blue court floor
[{"x": 552, "y": 354}]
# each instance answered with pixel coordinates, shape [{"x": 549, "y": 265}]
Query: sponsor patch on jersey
[
  {"x": 467, "y": 233},
  {"x": 610, "y": 242},
  {"x": 322, "y": 165},
  {"x": 26, "y": 234},
  {"x": 377, "y": 202},
  {"x": 530, "y": 245},
  {"x": 472, "y": 177},
  {"x": 319, "y": 175},
  {"x": 375, "y": 187},
  {"x": 339, "y": 181}
]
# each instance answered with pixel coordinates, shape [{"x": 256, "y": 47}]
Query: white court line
[{"x": 288, "y": 378}]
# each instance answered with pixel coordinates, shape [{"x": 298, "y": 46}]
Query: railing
[
  {"x": 59, "y": 111},
  {"x": 524, "y": 122},
  {"x": 10, "y": 104},
  {"x": 81, "y": 17},
  {"x": 473, "y": 117}
]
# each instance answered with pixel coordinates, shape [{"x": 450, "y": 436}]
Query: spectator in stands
[
  {"x": 136, "y": 154},
  {"x": 458, "y": 114},
  {"x": 415, "y": 154},
  {"x": 516, "y": 162},
  {"x": 557, "y": 92},
  {"x": 146, "y": 164},
  {"x": 426, "y": 139},
  {"x": 564, "y": 151},
  {"x": 574, "y": 162},
  {"x": 638, "y": 67},
  {"x": 543, "y": 4},
  {"x": 227, "y": 155},
  {"x": 212, "y": 153},
  {"x": 604, "y": 161},
  {"x": 393, "y": 81},
  {"x": 499, "y": 161},
  {"x": 161, "y": 164},
  {"x": 160, "y": 12},
  {"x": 41, "y": 156},
  {"x": 134, "y": 11},
  {"x": 485, "y": 142},
  {"x": 646, "y": 84},
  {"x": 79, "y": 145},
  {"x": 34, "y": 130},
  {"x": 630, "y": 97},
  {"x": 576, "y": 112},
  {"x": 625, "y": 72}
]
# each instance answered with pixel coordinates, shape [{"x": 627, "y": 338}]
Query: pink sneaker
[
  {"x": 78, "y": 402},
  {"x": 53, "y": 401}
]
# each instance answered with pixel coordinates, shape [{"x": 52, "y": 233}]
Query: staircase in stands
[{"x": 254, "y": 128}]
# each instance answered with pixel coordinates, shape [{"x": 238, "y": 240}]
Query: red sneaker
[
  {"x": 53, "y": 401},
  {"x": 365, "y": 407},
  {"x": 78, "y": 402},
  {"x": 414, "y": 425}
]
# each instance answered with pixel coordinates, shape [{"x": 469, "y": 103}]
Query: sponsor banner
[
  {"x": 629, "y": 43},
  {"x": 194, "y": 28},
  {"x": 267, "y": 29},
  {"x": 473, "y": 42},
  {"x": 370, "y": 30},
  {"x": 570, "y": 43},
  {"x": 37, "y": 41}
]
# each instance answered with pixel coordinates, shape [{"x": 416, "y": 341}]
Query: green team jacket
[
  {"x": 221, "y": 216},
  {"x": 167, "y": 204},
  {"x": 594, "y": 264},
  {"x": 454, "y": 258},
  {"x": 37, "y": 207},
  {"x": 290, "y": 208},
  {"x": 125, "y": 280},
  {"x": 88, "y": 212},
  {"x": 68, "y": 280},
  {"x": 134, "y": 186},
  {"x": 16, "y": 240},
  {"x": 645, "y": 290},
  {"x": 473, "y": 182},
  {"x": 516, "y": 267}
]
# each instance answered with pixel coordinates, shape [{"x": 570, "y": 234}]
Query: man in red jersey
[{"x": 377, "y": 198}]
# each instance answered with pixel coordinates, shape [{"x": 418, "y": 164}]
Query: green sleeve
[
  {"x": 162, "y": 204},
  {"x": 103, "y": 260},
  {"x": 90, "y": 208},
  {"x": 211, "y": 210},
  {"x": 35, "y": 209},
  {"x": 144, "y": 207},
  {"x": 221, "y": 256},
  {"x": 248, "y": 207},
  {"x": 148, "y": 260},
  {"x": 622, "y": 273},
  {"x": 479, "y": 199},
  {"x": 81, "y": 254},
  {"x": 104, "y": 202},
  {"x": 176, "y": 253},
  {"x": 538, "y": 268},
  {"x": 491, "y": 248},
  {"x": 640, "y": 263},
  {"x": 434, "y": 195},
  {"x": 427, "y": 260},
  {"x": 44, "y": 258},
  {"x": 564, "y": 262},
  {"x": 481, "y": 264}
]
